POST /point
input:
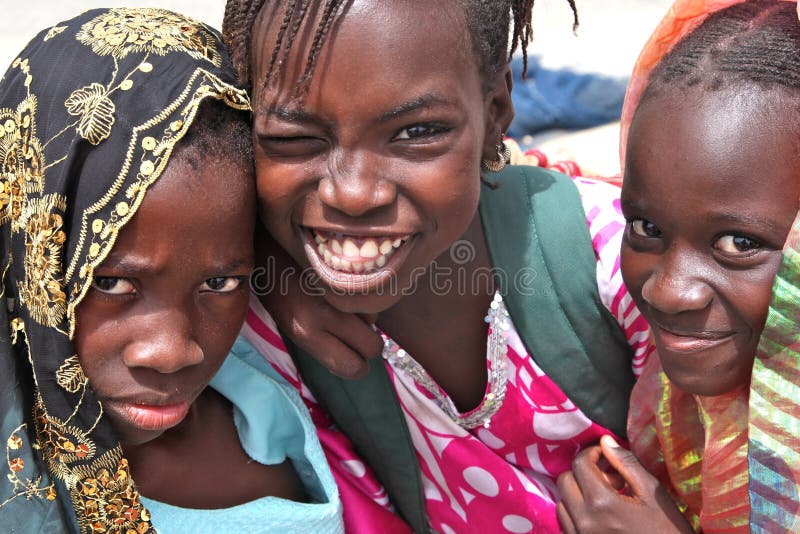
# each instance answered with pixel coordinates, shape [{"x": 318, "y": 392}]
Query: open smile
[
  {"x": 355, "y": 263},
  {"x": 690, "y": 342}
]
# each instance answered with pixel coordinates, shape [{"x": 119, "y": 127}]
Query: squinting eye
[
  {"x": 417, "y": 131},
  {"x": 222, "y": 284},
  {"x": 644, "y": 228},
  {"x": 736, "y": 244},
  {"x": 113, "y": 286}
]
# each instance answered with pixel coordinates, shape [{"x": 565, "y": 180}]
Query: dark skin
[
  {"x": 397, "y": 158},
  {"x": 164, "y": 310},
  {"x": 707, "y": 220}
]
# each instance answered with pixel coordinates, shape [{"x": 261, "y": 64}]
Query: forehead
[
  {"x": 723, "y": 146},
  {"x": 371, "y": 42}
]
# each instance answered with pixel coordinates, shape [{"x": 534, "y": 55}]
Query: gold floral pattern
[
  {"x": 28, "y": 488},
  {"x": 102, "y": 489},
  {"x": 42, "y": 291},
  {"x": 119, "y": 32},
  {"x": 21, "y": 159},
  {"x": 70, "y": 375},
  {"x": 52, "y": 32},
  {"x": 96, "y": 112}
]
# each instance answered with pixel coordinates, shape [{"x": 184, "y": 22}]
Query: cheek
[{"x": 96, "y": 344}]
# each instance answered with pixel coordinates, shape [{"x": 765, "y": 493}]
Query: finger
[
  {"x": 628, "y": 467},
  {"x": 592, "y": 481},
  {"x": 357, "y": 334},
  {"x": 565, "y": 520},
  {"x": 571, "y": 494},
  {"x": 339, "y": 358},
  {"x": 613, "y": 478}
]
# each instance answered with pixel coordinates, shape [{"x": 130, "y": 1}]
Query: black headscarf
[{"x": 90, "y": 113}]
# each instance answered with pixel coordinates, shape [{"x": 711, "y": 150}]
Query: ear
[{"x": 499, "y": 111}]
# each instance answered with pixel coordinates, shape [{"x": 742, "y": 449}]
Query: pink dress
[{"x": 498, "y": 477}]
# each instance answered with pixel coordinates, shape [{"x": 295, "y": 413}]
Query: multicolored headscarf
[
  {"x": 90, "y": 113},
  {"x": 732, "y": 462}
]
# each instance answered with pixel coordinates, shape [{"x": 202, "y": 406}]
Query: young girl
[
  {"x": 373, "y": 122},
  {"x": 710, "y": 193},
  {"x": 124, "y": 299}
]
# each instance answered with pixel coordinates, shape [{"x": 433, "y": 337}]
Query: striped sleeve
[{"x": 606, "y": 227}]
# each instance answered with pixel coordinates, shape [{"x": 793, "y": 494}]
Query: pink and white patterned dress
[{"x": 499, "y": 478}]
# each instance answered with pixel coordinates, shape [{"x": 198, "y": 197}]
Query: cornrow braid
[
  {"x": 756, "y": 42},
  {"x": 489, "y": 23}
]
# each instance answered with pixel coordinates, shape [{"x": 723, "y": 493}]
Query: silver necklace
[{"x": 500, "y": 323}]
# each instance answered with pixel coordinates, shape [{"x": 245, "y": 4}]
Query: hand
[
  {"x": 342, "y": 342},
  {"x": 592, "y": 502}
]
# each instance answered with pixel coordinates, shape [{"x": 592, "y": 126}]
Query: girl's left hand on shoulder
[{"x": 626, "y": 499}]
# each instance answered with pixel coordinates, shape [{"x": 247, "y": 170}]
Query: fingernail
[{"x": 611, "y": 442}]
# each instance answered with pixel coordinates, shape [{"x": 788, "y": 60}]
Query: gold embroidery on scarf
[
  {"x": 52, "y": 32},
  {"x": 21, "y": 160},
  {"x": 96, "y": 112},
  {"x": 148, "y": 153},
  {"x": 41, "y": 291},
  {"x": 119, "y": 32},
  {"x": 70, "y": 375},
  {"x": 23, "y": 487},
  {"x": 101, "y": 489}
]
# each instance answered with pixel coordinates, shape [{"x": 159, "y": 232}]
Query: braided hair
[
  {"x": 489, "y": 23},
  {"x": 755, "y": 42}
]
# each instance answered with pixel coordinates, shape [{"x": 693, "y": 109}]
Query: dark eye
[
  {"x": 736, "y": 244},
  {"x": 418, "y": 131},
  {"x": 222, "y": 284},
  {"x": 113, "y": 286},
  {"x": 644, "y": 228}
]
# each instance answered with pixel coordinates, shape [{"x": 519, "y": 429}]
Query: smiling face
[
  {"x": 167, "y": 303},
  {"x": 711, "y": 188},
  {"x": 376, "y": 171}
]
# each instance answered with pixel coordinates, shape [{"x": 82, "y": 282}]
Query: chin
[
  {"x": 367, "y": 304},
  {"x": 706, "y": 385}
]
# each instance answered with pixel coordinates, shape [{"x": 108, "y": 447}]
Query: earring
[{"x": 503, "y": 157}]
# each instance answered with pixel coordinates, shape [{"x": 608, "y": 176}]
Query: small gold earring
[{"x": 503, "y": 157}]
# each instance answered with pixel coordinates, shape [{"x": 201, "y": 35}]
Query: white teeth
[
  {"x": 344, "y": 255},
  {"x": 369, "y": 249},
  {"x": 350, "y": 249}
]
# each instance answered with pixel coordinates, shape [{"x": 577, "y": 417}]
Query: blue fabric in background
[{"x": 562, "y": 99}]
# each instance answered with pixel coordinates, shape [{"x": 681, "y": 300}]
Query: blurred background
[{"x": 566, "y": 108}]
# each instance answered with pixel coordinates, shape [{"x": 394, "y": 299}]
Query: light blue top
[{"x": 273, "y": 425}]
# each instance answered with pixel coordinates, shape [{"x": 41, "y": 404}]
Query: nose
[
  {"x": 677, "y": 285},
  {"x": 164, "y": 343},
  {"x": 354, "y": 187}
]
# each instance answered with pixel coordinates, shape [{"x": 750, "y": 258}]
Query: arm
[
  {"x": 340, "y": 341},
  {"x": 625, "y": 499}
]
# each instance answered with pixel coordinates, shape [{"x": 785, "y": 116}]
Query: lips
[
  {"x": 689, "y": 341},
  {"x": 151, "y": 417}
]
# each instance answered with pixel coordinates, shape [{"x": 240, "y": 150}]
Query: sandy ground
[{"x": 609, "y": 38}]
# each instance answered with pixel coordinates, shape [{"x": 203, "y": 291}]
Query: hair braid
[
  {"x": 489, "y": 22},
  {"x": 754, "y": 42}
]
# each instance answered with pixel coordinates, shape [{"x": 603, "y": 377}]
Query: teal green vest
[{"x": 536, "y": 230}]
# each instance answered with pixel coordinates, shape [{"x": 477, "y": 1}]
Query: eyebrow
[
  {"x": 426, "y": 101},
  {"x": 133, "y": 266},
  {"x": 301, "y": 116},
  {"x": 292, "y": 115}
]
